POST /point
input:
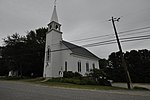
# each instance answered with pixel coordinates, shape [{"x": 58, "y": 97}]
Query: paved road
[{"x": 24, "y": 91}]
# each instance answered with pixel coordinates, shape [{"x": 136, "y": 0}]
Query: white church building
[{"x": 63, "y": 56}]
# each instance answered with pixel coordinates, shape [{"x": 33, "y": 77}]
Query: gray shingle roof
[{"x": 78, "y": 50}]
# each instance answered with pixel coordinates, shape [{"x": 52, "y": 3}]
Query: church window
[
  {"x": 79, "y": 66},
  {"x": 93, "y": 66},
  {"x": 66, "y": 65},
  {"x": 48, "y": 53},
  {"x": 87, "y": 67}
]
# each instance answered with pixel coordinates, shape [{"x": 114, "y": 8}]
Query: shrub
[
  {"x": 99, "y": 77},
  {"x": 78, "y": 75},
  {"x": 70, "y": 74},
  {"x": 87, "y": 81},
  {"x": 76, "y": 78},
  {"x": 71, "y": 80},
  {"x": 82, "y": 81}
]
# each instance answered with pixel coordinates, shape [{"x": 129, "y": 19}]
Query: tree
[
  {"x": 13, "y": 49},
  {"x": 35, "y": 45},
  {"x": 116, "y": 71},
  {"x": 26, "y": 53},
  {"x": 3, "y": 69},
  {"x": 103, "y": 63},
  {"x": 138, "y": 63}
]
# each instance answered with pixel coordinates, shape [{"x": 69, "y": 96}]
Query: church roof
[
  {"x": 78, "y": 50},
  {"x": 54, "y": 15}
]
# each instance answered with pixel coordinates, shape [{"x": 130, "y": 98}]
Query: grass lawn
[
  {"x": 69, "y": 85},
  {"x": 66, "y": 85}
]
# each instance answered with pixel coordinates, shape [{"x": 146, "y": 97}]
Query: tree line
[
  {"x": 138, "y": 63},
  {"x": 26, "y": 55}
]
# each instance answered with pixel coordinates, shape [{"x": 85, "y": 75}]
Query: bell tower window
[
  {"x": 56, "y": 27},
  {"x": 50, "y": 27}
]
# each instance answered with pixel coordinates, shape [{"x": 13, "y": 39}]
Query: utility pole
[{"x": 121, "y": 53}]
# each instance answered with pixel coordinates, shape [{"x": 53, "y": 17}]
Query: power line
[
  {"x": 148, "y": 27},
  {"x": 108, "y": 42},
  {"x": 115, "y": 40},
  {"x": 100, "y": 36},
  {"x": 120, "y": 33},
  {"x": 135, "y": 33},
  {"x": 110, "y": 35}
]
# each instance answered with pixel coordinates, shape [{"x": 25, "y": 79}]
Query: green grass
[
  {"x": 63, "y": 85},
  {"x": 140, "y": 88},
  {"x": 58, "y": 83},
  {"x": 69, "y": 85}
]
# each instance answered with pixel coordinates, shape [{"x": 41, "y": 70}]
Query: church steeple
[
  {"x": 54, "y": 24},
  {"x": 53, "y": 42},
  {"x": 54, "y": 15}
]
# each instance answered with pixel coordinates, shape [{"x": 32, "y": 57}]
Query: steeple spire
[
  {"x": 54, "y": 15},
  {"x": 54, "y": 24},
  {"x": 55, "y": 3}
]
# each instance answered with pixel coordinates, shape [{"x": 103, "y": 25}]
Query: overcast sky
[{"x": 80, "y": 19}]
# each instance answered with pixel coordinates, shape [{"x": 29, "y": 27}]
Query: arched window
[
  {"x": 79, "y": 66},
  {"x": 87, "y": 67},
  {"x": 66, "y": 65}
]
